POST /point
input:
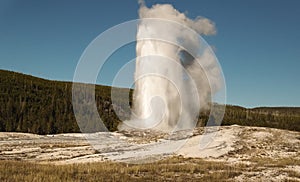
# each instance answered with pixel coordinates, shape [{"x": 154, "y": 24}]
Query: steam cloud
[{"x": 176, "y": 74}]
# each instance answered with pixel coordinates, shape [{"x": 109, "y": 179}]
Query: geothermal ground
[{"x": 264, "y": 153}]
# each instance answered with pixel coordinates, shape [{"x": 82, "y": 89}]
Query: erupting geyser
[{"x": 176, "y": 72}]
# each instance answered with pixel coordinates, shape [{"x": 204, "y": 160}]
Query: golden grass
[
  {"x": 174, "y": 169},
  {"x": 270, "y": 162},
  {"x": 171, "y": 169}
]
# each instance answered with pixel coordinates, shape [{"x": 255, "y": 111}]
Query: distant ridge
[{"x": 36, "y": 105}]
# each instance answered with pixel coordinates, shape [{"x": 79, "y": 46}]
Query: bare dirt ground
[{"x": 268, "y": 154}]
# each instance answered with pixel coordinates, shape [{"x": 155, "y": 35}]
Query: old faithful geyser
[{"x": 175, "y": 70}]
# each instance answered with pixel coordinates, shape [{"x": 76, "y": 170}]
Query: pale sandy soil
[{"x": 230, "y": 144}]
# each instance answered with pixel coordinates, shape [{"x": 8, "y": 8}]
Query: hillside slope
[{"x": 35, "y": 105}]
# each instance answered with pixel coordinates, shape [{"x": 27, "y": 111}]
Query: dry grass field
[
  {"x": 237, "y": 153},
  {"x": 171, "y": 169}
]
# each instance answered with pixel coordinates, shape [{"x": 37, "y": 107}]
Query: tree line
[{"x": 35, "y": 105}]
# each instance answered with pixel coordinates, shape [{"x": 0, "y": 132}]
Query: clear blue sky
[{"x": 257, "y": 41}]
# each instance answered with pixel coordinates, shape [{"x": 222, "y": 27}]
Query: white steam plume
[{"x": 176, "y": 74}]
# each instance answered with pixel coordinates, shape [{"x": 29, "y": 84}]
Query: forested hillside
[
  {"x": 30, "y": 104},
  {"x": 275, "y": 117},
  {"x": 35, "y": 105}
]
